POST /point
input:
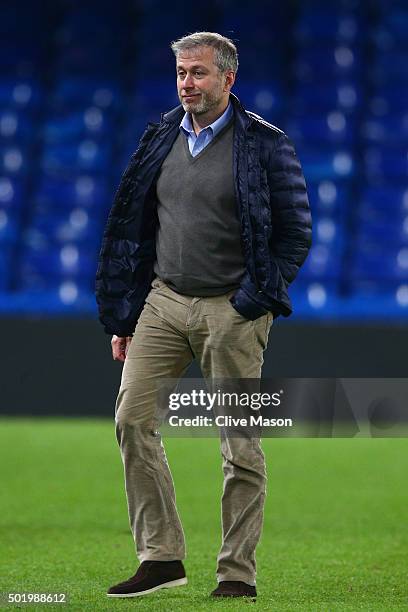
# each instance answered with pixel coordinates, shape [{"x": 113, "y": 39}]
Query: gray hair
[{"x": 225, "y": 52}]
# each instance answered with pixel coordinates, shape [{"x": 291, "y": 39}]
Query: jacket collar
[{"x": 176, "y": 114}]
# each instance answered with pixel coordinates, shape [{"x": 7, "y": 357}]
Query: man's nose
[{"x": 188, "y": 82}]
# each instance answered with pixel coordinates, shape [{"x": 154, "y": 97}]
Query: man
[{"x": 213, "y": 209}]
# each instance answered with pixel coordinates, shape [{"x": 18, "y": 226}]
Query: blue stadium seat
[
  {"x": 382, "y": 230},
  {"x": 86, "y": 156},
  {"x": 74, "y": 92},
  {"x": 42, "y": 269},
  {"x": 15, "y": 128},
  {"x": 381, "y": 163},
  {"x": 323, "y": 264},
  {"x": 383, "y": 263},
  {"x": 329, "y": 232},
  {"x": 74, "y": 226},
  {"x": 251, "y": 68},
  {"x": 9, "y": 227},
  {"x": 346, "y": 96},
  {"x": 388, "y": 130},
  {"x": 328, "y": 197},
  {"x": 14, "y": 161},
  {"x": 316, "y": 298},
  {"x": 19, "y": 93},
  {"x": 326, "y": 164},
  {"x": 389, "y": 200},
  {"x": 6, "y": 266},
  {"x": 82, "y": 59},
  {"x": 392, "y": 31},
  {"x": 11, "y": 193},
  {"x": 322, "y": 24},
  {"x": 90, "y": 122},
  {"x": 152, "y": 99},
  {"x": 262, "y": 97},
  {"x": 82, "y": 191},
  {"x": 24, "y": 58},
  {"x": 268, "y": 29},
  {"x": 390, "y": 67},
  {"x": 333, "y": 127},
  {"x": 315, "y": 63},
  {"x": 389, "y": 98}
]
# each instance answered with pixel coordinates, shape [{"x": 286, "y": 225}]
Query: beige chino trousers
[{"x": 171, "y": 332}]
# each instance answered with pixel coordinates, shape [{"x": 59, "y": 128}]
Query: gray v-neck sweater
[{"x": 198, "y": 241}]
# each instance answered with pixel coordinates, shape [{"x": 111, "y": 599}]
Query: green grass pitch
[{"x": 335, "y": 533}]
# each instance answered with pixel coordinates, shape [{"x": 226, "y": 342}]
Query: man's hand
[{"x": 120, "y": 347}]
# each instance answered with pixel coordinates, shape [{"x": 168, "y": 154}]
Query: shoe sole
[
  {"x": 235, "y": 596},
  {"x": 164, "y": 585}
]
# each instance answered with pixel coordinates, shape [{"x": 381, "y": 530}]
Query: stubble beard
[{"x": 207, "y": 102}]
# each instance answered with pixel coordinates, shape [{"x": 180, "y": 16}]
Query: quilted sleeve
[{"x": 290, "y": 212}]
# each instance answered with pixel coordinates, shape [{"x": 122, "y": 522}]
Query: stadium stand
[{"x": 79, "y": 81}]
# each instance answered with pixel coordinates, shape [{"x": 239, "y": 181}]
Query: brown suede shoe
[
  {"x": 151, "y": 576},
  {"x": 234, "y": 588}
]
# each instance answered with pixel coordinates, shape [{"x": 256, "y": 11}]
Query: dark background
[{"x": 65, "y": 367}]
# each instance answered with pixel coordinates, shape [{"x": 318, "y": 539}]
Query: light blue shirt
[{"x": 197, "y": 143}]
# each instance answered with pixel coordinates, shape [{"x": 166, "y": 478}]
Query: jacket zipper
[{"x": 248, "y": 220}]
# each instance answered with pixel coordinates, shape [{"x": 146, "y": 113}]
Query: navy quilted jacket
[{"x": 273, "y": 209}]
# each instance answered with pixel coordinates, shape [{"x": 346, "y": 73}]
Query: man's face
[{"x": 200, "y": 85}]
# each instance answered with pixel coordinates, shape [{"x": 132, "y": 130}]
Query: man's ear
[{"x": 229, "y": 80}]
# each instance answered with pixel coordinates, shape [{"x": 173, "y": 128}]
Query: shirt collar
[{"x": 215, "y": 127}]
